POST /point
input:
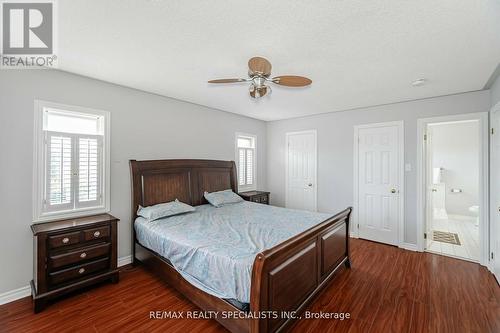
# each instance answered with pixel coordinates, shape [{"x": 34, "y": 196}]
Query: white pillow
[
  {"x": 221, "y": 198},
  {"x": 166, "y": 209}
]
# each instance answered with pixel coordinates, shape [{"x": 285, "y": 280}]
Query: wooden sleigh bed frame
[{"x": 286, "y": 277}]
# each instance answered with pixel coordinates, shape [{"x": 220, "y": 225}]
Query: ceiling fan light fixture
[{"x": 258, "y": 92}]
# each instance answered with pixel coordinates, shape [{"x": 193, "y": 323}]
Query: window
[
  {"x": 71, "y": 161},
  {"x": 246, "y": 161}
]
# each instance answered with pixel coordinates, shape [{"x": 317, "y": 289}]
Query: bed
[{"x": 279, "y": 272}]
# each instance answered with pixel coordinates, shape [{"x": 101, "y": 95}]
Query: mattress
[{"x": 214, "y": 248}]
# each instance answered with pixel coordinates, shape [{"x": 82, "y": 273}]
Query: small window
[
  {"x": 245, "y": 161},
  {"x": 71, "y": 161}
]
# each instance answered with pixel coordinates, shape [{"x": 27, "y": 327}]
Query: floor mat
[{"x": 445, "y": 237}]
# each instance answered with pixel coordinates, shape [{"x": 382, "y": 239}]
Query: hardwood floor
[{"x": 386, "y": 290}]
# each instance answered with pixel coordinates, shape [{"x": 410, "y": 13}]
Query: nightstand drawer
[
  {"x": 76, "y": 272},
  {"x": 79, "y": 255},
  {"x": 96, "y": 233},
  {"x": 64, "y": 239}
]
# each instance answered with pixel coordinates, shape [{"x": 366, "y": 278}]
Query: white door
[
  {"x": 379, "y": 184},
  {"x": 301, "y": 170},
  {"x": 495, "y": 192}
]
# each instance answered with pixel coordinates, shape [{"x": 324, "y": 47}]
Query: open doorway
[
  {"x": 453, "y": 163},
  {"x": 454, "y": 186}
]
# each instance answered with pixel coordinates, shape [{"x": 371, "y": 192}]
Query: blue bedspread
[{"x": 214, "y": 248}]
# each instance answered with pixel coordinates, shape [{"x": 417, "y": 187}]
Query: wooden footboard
[{"x": 286, "y": 278}]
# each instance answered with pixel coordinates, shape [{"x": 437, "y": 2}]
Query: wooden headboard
[{"x": 158, "y": 181}]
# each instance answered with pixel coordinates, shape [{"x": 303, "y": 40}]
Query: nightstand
[
  {"x": 72, "y": 254},
  {"x": 256, "y": 196}
]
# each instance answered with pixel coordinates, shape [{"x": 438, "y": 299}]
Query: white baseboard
[
  {"x": 409, "y": 247},
  {"x": 14, "y": 295},
  {"x": 406, "y": 246},
  {"x": 124, "y": 261}
]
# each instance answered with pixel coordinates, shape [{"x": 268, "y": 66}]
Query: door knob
[
  {"x": 310, "y": 184},
  {"x": 434, "y": 190},
  {"x": 393, "y": 190}
]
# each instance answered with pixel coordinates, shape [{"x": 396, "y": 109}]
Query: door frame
[
  {"x": 401, "y": 175},
  {"x": 494, "y": 225},
  {"x": 483, "y": 118},
  {"x": 315, "y": 180}
]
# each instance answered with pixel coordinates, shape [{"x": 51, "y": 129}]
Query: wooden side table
[
  {"x": 72, "y": 254},
  {"x": 256, "y": 196}
]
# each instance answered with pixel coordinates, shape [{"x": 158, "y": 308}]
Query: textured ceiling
[{"x": 358, "y": 53}]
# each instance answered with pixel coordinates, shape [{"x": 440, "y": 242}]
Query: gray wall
[
  {"x": 335, "y": 148},
  {"x": 495, "y": 92},
  {"x": 143, "y": 126}
]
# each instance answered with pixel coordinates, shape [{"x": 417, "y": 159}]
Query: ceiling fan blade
[
  {"x": 292, "y": 81},
  {"x": 259, "y": 65},
  {"x": 227, "y": 80}
]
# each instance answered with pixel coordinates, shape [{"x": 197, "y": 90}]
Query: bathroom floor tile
[{"x": 468, "y": 234}]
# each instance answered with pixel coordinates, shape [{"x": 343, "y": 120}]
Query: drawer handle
[
  {"x": 65, "y": 240},
  {"x": 97, "y": 234},
  {"x": 83, "y": 255},
  {"x": 81, "y": 270}
]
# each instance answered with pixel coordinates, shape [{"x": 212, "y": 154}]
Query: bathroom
[{"x": 453, "y": 183}]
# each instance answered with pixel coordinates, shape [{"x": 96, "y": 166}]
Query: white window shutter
[
  {"x": 74, "y": 171},
  {"x": 89, "y": 166},
  {"x": 241, "y": 167},
  {"x": 249, "y": 167},
  {"x": 59, "y": 171}
]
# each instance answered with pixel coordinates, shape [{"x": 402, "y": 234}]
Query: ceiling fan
[{"x": 259, "y": 72}]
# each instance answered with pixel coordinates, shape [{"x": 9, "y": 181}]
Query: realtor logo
[{"x": 27, "y": 34}]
